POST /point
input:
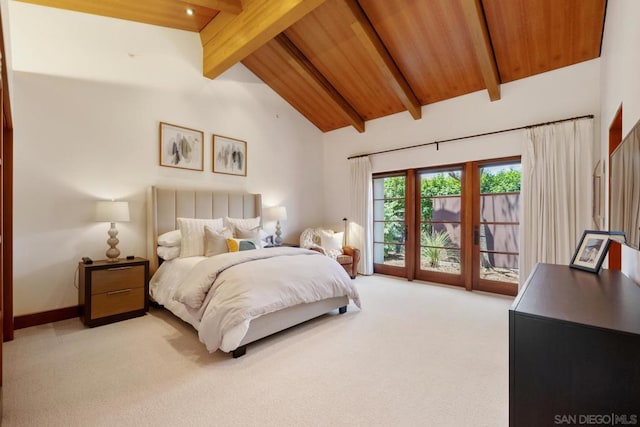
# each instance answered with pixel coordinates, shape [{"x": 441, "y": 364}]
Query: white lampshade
[
  {"x": 279, "y": 213},
  {"x": 110, "y": 211}
]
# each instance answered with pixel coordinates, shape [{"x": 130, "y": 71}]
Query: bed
[{"x": 196, "y": 289}]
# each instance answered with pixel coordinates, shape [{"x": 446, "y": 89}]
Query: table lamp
[
  {"x": 278, "y": 213},
  {"x": 111, "y": 211}
]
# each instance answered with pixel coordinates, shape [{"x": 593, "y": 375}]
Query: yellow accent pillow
[{"x": 235, "y": 245}]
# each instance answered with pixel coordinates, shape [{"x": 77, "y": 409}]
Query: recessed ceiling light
[{"x": 190, "y": 12}]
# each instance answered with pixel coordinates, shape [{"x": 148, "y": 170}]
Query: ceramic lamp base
[
  {"x": 113, "y": 253},
  {"x": 278, "y": 239}
]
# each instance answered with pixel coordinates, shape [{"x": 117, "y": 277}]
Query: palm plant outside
[{"x": 435, "y": 250}]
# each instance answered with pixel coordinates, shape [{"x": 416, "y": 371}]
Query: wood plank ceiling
[{"x": 343, "y": 62}]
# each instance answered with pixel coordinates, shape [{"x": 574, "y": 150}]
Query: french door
[
  {"x": 496, "y": 226},
  {"x": 392, "y": 242},
  {"x": 456, "y": 224},
  {"x": 441, "y": 225}
]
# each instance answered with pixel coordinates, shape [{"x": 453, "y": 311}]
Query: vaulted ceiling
[{"x": 343, "y": 62}]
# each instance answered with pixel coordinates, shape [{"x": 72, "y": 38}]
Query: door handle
[{"x": 476, "y": 235}]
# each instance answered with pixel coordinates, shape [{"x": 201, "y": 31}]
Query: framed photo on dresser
[{"x": 591, "y": 251}]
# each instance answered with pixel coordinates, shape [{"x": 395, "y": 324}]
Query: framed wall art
[
  {"x": 229, "y": 155},
  {"x": 181, "y": 147}
]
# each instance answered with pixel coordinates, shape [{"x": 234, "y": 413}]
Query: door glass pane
[
  {"x": 389, "y": 221},
  {"x": 389, "y": 187},
  {"x": 498, "y": 207},
  {"x": 500, "y": 238},
  {"x": 499, "y": 222},
  {"x": 499, "y": 267},
  {"x": 440, "y": 208},
  {"x": 450, "y": 233},
  {"x": 389, "y": 254},
  {"x": 389, "y": 209},
  {"x": 440, "y": 259},
  {"x": 440, "y": 216}
]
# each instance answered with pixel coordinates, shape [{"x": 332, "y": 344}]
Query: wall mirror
[{"x": 625, "y": 187}]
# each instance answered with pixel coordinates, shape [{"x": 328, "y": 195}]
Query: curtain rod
[{"x": 437, "y": 143}]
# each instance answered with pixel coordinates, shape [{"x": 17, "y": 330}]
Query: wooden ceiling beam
[
  {"x": 221, "y": 20},
  {"x": 259, "y": 22},
  {"x": 233, "y": 7},
  {"x": 305, "y": 68},
  {"x": 376, "y": 49},
  {"x": 477, "y": 24}
]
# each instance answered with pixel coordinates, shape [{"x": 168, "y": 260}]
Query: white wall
[
  {"x": 564, "y": 93},
  {"x": 86, "y": 128},
  {"x": 620, "y": 57},
  {"x": 6, "y": 34}
]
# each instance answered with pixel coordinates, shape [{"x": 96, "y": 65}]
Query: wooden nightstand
[{"x": 112, "y": 291}]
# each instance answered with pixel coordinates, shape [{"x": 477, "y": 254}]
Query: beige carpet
[{"x": 416, "y": 355}]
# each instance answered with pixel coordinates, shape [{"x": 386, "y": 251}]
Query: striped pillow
[{"x": 192, "y": 231}]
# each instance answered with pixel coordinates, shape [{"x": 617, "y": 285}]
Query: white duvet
[{"x": 220, "y": 295}]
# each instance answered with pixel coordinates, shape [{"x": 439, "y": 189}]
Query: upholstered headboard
[{"x": 165, "y": 206}]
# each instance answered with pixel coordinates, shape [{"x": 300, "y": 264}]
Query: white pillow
[
  {"x": 170, "y": 238},
  {"x": 263, "y": 239},
  {"x": 253, "y": 234},
  {"x": 215, "y": 241},
  {"x": 244, "y": 223},
  {"x": 168, "y": 253},
  {"x": 331, "y": 242},
  {"x": 192, "y": 230},
  {"x": 247, "y": 233}
]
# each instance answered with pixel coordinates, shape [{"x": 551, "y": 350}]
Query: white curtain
[
  {"x": 361, "y": 212},
  {"x": 556, "y": 192}
]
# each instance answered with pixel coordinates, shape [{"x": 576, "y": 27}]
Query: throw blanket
[{"x": 239, "y": 286}]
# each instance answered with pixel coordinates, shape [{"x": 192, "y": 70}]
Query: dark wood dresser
[{"x": 574, "y": 349}]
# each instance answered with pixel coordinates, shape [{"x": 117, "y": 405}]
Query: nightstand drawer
[
  {"x": 118, "y": 301},
  {"x": 117, "y": 278}
]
